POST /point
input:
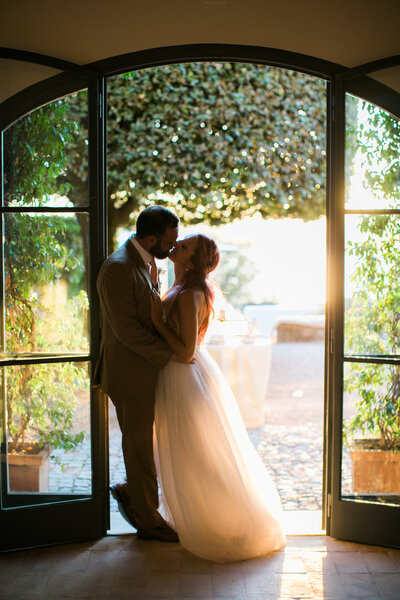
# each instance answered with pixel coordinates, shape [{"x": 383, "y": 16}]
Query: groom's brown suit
[{"x": 131, "y": 353}]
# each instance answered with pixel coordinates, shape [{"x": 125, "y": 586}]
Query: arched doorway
[
  {"x": 238, "y": 151},
  {"x": 357, "y": 518}
]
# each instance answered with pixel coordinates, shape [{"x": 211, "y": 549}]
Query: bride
[{"x": 216, "y": 492}]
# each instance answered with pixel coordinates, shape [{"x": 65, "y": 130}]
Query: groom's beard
[{"x": 158, "y": 252}]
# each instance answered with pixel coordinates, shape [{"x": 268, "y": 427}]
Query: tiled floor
[{"x": 123, "y": 567}]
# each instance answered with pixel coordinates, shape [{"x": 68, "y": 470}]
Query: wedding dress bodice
[{"x": 171, "y": 318}]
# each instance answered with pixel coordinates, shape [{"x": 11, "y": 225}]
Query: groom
[{"x": 131, "y": 353}]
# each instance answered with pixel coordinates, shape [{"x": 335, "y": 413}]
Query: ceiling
[{"x": 345, "y": 32}]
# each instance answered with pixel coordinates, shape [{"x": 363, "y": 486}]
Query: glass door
[
  {"x": 52, "y": 472},
  {"x": 366, "y": 470}
]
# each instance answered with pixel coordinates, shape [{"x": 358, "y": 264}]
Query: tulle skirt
[{"x": 216, "y": 491}]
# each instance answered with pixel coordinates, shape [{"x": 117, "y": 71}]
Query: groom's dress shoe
[
  {"x": 162, "y": 533},
  {"x": 120, "y": 494}
]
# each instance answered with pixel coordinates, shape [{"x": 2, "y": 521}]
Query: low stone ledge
[{"x": 300, "y": 330}]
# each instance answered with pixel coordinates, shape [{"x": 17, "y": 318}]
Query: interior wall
[
  {"x": 389, "y": 77},
  {"x": 16, "y": 75},
  {"x": 345, "y": 32}
]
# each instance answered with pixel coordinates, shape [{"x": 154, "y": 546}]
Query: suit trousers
[{"x": 136, "y": 421}]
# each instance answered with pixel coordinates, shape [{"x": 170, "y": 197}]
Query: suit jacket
[{"x": 131, "y": 352}]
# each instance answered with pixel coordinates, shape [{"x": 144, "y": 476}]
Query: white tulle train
[{"x": 216, "y": 492}]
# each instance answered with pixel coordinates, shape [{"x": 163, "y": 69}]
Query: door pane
[
  {"x": 46, "y": 266},
  {"x": 48, "y": 428},
  {"x": 371, "y": 432},
  {"x": 366, "y": 473},
  {"x": 47, "y": 405},
  {"x": 46, "y": 155},
  {"x": 372, "y": 293},
  {"x": 372, "y": 156}
]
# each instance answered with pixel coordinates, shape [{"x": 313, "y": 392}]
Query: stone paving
[
  {"x": 290, "y": 442},
  {"x": 71, "y": 473},
  {"x": 294, "y": 460}
]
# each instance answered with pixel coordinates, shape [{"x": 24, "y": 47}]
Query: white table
[{"x": 246, "y": 367}]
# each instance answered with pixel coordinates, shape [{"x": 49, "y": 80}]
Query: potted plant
[
  {"x": 41, "y": 405},
  {"x": 372, "y": 320},
  {"x": 41, "y": 399},
  {"x": 45, "y": 292},
  {"x": 372, "y": 327}
]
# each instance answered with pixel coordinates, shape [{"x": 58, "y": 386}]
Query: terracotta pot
[
  {"x": 375, "y": 471},
  {"x": 29, "y": 472}
]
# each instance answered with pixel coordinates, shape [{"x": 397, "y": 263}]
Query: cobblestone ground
[
  {"x": 294, "y": 461},
  {"x": 71, "y": 472},
  {"x": 290, "y": 442}
]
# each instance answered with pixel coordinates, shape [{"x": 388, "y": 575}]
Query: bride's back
[{"x": 171, "y": 309}]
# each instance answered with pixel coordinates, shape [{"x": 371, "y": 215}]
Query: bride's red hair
[{"x": 204, "y": 259}]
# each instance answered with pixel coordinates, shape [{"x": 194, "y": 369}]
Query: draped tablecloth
[{"x": 246, "y": 367}]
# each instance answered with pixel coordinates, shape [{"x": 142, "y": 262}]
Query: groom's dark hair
[{"x": 154, "y": 220}]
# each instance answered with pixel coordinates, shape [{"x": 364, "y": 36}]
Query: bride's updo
[{"x": 205, "y": 259}]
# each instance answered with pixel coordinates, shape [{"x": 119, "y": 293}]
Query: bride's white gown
[{"x": 216, "y": 492}]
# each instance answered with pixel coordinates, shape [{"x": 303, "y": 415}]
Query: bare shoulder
[{"x": 192, "y": 296}]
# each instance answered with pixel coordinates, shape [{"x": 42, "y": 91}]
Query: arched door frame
[
  {"x": 361, "y": 521},
  {"x": 339, "y": 79},
  {"x": 43, "y": 519}
]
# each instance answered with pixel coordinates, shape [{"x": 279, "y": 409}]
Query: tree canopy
[{"x": 215, "y": 141}]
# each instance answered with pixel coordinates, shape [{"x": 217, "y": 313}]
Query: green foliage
[
  {"x": 41, "y": 403},
  {"x": 380, "y": 139},
  {"x": 43, "y": 254},
  {"x": 41, "y": 399},
  {"x": 378, "y": 406},
  {"x": 353, "y": 138},
  {"x": 215, "y": 141},
  {"x": 218, "y": 141},
  {"x": 372, "y": 324},
  {"x": 35, "y": 155}
]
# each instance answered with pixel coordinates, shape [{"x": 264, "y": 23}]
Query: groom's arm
[{"x": 115, "y": 288}]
